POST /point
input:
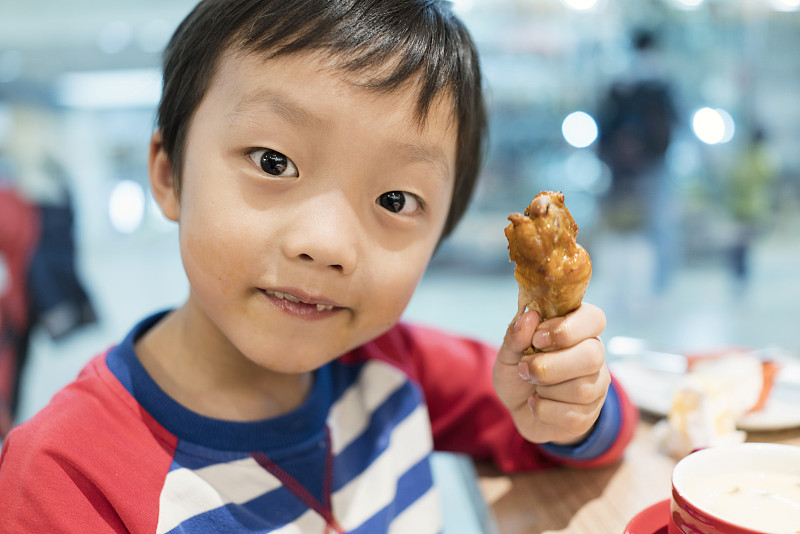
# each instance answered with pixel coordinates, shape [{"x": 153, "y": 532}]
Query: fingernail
[
  {"x": 542, "y": 339},
  {"x": 532, "y": 403},
  {"x": 515, "y": 326},
  {"x": 524, "y": 372}
]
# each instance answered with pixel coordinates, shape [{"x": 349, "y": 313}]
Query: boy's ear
[{"x": 162, "y": 182}]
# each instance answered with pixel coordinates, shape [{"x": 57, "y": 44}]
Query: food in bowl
[
  {"x": 740, "y": 489},
  {"x": 766, "y": 501}
]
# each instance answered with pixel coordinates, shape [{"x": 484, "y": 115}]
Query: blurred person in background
[
  {"x": 19, "y": 235},
  {"x": 636, "y": 122},
  {"x": 749, "y": 199},
  {"x": 40, "y": 286},
  {"x": 59, "y": 301}
]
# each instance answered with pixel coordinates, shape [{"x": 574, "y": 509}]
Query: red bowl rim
[{"x": 682, "y": 511}]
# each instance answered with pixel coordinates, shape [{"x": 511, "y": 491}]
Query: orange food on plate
[
  {"x": 717, "y": 393},
  {"x": 765, "y": 379}
]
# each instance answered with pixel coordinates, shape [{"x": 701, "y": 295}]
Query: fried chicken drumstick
[{"x": 552, "y": 270}]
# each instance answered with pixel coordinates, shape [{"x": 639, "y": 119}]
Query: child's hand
[{"x": 567, "y": 378}]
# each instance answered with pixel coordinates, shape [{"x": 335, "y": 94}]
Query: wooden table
[{"x": 596, "y": 501}]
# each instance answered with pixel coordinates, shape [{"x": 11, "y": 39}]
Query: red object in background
[{"x": 19, "y": 234}]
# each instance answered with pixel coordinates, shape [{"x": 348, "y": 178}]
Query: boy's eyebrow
[
  {"x": 280, "y": 105},
  {"x": 432, "y": 155}
]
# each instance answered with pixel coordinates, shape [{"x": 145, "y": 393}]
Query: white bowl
[{"x": 748, "y": 488}]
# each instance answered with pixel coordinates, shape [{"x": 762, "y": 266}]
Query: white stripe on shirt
[
  {"x": 424, "y": 516},
  {"x": 352, "y": 412},
  {"x": 375, "y": 488},
  {"x": 310, "y": 521},
  {"x": 187, "y": 493}
]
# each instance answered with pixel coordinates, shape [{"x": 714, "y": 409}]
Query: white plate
[{"x": 651, "y": 391}]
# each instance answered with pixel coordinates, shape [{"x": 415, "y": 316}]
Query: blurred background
[{"x": 671, "y": 126}]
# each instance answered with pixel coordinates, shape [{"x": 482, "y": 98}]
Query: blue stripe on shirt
[
  {"x": 375, "y": 439},
  {"x": 284, "y": 508},
  {"x": 410, "y": 487}
]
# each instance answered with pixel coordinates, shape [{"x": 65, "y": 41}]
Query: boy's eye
[
  {"x": 399, "y": 202},
  {"x": 273, "y": 162}
]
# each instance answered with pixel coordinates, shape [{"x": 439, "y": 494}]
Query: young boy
[{"x": 314, "y": 154}]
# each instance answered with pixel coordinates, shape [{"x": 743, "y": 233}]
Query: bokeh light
[
  {"x": 580, "y": 5},
  {"x": 713, "y": 126},
  {"x": 688, "y": 4},
  {"x": 579, "y": 129},
  {"x": 126, "y": 206},
  {"x": 585, "y": 171},
  {"x": 729, "y": 126},
  {"x": 114, "y": 36}
]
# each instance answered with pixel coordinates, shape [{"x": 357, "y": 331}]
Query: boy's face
[{"x": 309, "y": 209}]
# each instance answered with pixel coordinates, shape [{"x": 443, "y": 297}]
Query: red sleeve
[
  {"x": 91, "y": 461},
  {"x": 455, "y": 375}
]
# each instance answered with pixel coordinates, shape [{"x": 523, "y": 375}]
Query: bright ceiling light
[
  {"x": 713, "y": 126},
  {"x": 579, "y": 129},
  {"x": 126, "y": 206}
]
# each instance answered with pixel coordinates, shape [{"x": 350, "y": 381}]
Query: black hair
[{"x": 421, "y": 41}]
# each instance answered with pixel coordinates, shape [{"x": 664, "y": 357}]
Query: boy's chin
[
  {"x": 303, "y": 354},
  {"x": 298, "y": 361},
  {"x": 292, "y": 367}
]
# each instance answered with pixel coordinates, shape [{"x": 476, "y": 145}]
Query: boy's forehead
[{"x": 295, "y": 69}]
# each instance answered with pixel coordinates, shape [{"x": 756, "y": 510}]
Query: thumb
[
  {"x": 511, "y": 388},
  {"x": 518, "y": 338}
]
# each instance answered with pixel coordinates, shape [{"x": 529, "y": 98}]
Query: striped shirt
[{"x": 113, "y": 453}]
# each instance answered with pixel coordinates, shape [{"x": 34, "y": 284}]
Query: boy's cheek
[{"x": 210, "y": 254}]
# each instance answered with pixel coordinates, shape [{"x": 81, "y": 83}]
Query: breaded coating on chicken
[{"x": 552, "y": 269}]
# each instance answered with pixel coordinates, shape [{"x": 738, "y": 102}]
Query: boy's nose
[{"x": 325, "y": 233}]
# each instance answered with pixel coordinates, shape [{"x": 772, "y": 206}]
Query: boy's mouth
[
  {"x": 292, "y": 302},
  {"x": 291, "y": 298}
]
